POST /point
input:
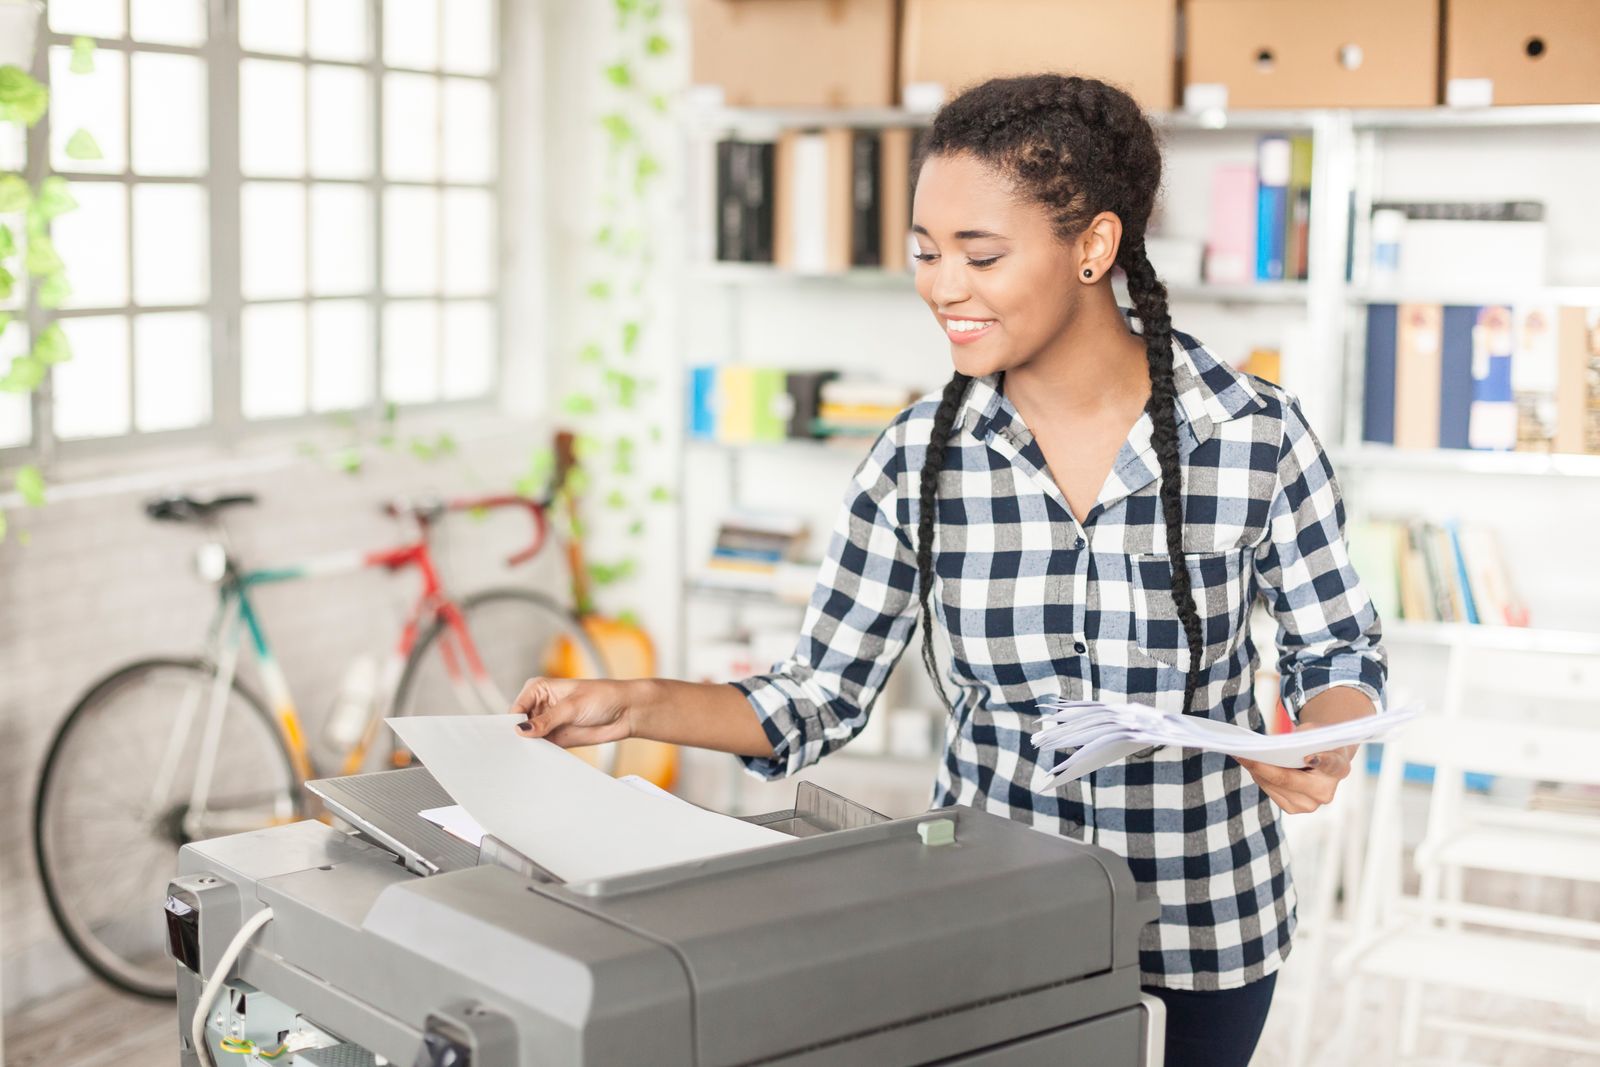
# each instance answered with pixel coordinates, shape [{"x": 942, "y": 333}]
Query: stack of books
[
  {"x": 1498, "y": 377},
  {"x": 756, "y": 551},
  {"x": 1261, "y": 215},
  {"x": 858, "y": 407},
  {"x": 742, "y": 404},
  {"x": 816, "y": 201},
  {"x": 1429, "y": 572}
]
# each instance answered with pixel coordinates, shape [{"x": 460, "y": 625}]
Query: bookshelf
[{"x": 1359, "y": 156}]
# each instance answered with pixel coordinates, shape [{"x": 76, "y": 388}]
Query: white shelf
[
  {"x": 765, "y": 274},
  {"x": 765, "y": 119},
  {"x": 1504, "y": 638},
  {"x": 1465, "y": 461},
  {"x": 703, "y": 591},
  {"x": 853, "y": 448},
  {"x": 1563, "y": 295}
]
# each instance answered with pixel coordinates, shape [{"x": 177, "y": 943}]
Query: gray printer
[{"x": 951, "y": 937}]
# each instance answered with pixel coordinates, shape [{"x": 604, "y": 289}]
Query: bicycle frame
[{"x": 235, "y": 619}]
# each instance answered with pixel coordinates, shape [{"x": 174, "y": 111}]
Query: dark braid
[
  {"x": 1077, "y": 147},
  {"x": 943, "y": 421}
]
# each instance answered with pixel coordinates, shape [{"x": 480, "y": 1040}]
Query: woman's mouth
[{"x": 966, "y": 331}]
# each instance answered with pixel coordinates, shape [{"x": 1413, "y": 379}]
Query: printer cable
[{"x": 208, "y": 995}]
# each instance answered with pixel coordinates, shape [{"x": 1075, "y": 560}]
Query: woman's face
[{"x": 989, "y": 259}]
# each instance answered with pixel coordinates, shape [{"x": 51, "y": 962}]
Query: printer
[{"x": 952, "y": 937}]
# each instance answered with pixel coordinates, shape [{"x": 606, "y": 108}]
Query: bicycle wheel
[
  {"x": 114, "y": 806},
  {"x": 518, "y": 634}
]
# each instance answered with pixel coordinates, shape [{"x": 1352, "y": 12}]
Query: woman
[{"x": 1104, "y": 502}]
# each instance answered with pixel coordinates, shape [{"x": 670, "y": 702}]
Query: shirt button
[
  {"x": 1079, "y": 647},
  {"x": 1078, "y": 543}
]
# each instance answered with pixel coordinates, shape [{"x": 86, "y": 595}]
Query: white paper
[
  {"x": 573, "y": 820},
  {"x": 454, "y": 819},
  {"x": 1105, "y": 733}
]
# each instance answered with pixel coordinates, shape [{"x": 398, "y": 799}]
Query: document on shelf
[
  {"x": 1105, "y": 733},
  {"x": 575, "y": 821}
]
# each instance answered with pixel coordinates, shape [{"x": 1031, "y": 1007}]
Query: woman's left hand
[{"x": 1302, "y": 789}]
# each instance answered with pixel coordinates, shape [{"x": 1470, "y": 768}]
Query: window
[{"x": 332, "y": 250}]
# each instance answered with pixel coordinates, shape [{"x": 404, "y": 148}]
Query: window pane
[
  {"x": 469, "y": 37},
  {"x": 410, "y": 241},
  {"x": 468, "y": 241},
  {"x": 341, "y": 123},
  {"x": 411, "y": 33},
  {"x": 411, "y": 351},
  {"x": 96, "y": 18},
  {"x": 16, "y": 418},
  {"x": 341, "y": 355},
  {"x": 273, "y": 221},
  {"x": 273, "y": 357},
  {"x": 470, "y": 349},
  {"x": 468, "y": 131},
  {"x": 90, "y": 102},
  {"x": 276, "y": 26},
  {"x": 181, "y": 22},
  {"x": 341, "y": 240},
  {"x": 169, "y": 114},
  {"x": 171, "y": 370},
  {"x": 410, "y": 127},
  {"x": 339, "y": 29},
  {"x": 272, "y": 118},
  {"x": 170, "y": 253},
  {"x": 13, "y": 147},
  {"x": 91, "y": 388},
  {"x": 93, "y": 244}
]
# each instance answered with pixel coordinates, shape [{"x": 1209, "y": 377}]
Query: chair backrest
[{"x": 1515, "y": 749}]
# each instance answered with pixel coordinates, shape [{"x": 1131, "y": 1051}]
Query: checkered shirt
[{"x": 1037, "y": 605}]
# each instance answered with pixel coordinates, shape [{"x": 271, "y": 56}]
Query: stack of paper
[
  {"x": 1105, "y": 733},
  {"x": 573, "y": 820}
]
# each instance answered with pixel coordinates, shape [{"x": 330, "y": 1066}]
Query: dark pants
[{"x": 1219, "y": 1028}]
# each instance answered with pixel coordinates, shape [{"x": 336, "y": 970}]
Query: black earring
[{"x": 1088, "y": 272}]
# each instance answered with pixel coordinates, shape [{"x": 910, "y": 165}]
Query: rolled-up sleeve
[
  {"x": 861, "y": 615},
  {"x": 1329, "y": 632}
]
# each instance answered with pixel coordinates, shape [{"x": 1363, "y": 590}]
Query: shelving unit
[{"x": 1348, "y": 159}]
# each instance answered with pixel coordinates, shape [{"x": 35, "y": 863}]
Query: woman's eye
[
  {"x": 983, "y": 262},
  {"x": 925, "y": 257},
  {"x": 929, "y": 257}
]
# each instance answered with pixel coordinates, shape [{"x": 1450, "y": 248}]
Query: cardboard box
[
  {"x": 795, "y": 53},
  {"x": 1311, "y": 53},
  {"x": 1530, "y": 52},
  {"x": 954, "y": 44}
]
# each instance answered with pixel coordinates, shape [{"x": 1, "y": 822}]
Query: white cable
[{"x": 208, "y": 995}]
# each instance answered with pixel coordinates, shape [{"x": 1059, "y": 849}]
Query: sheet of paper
[
  {"x": 455, "y": 820},
  {"x": 575, "y": 821}
]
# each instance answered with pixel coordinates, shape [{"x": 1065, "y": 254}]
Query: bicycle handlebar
[{"x": 427, "y": 511}]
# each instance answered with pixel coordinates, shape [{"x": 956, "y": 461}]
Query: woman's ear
[{"x": 1097, "y": 247}]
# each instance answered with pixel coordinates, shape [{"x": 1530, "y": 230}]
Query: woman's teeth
[{"x": 966, "y": 325}]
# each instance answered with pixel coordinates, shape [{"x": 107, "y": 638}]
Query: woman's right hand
[{"x": 573, "y": 712}]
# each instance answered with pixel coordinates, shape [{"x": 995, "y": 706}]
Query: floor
[{"x": 97, "y": 1028}]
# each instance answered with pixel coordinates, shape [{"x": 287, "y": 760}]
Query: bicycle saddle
[{"x": 181, "y": 507}]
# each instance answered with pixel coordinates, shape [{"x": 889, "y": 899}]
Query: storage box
[
  {"x": 795, "y": 53},
  {"x": 952, "y": 44},
  {"x": 1311, "y": 53},
  {"x": 1530, "y": 52}
]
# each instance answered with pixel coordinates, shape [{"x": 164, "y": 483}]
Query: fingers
[
  {"x": 1297, "y": 790},
  {"x": 541, "y": 701}
]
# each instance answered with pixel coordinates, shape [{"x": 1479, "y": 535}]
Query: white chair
[{"x": 1433, "y": 937}]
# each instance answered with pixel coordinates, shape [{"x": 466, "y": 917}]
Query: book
[
  {"x": 1377, "y": 400},
  {"x": 1230, "y": 254},
  {"x": 866, "y": 225},
  {"x": 1272, "y": 193},
  {"x": 1416, "y": 376},
  {"x": 1493, "y": 421},
  {"x": 1297, "y": 226},
  {"x": 1535, "y": 376},
  {"x": 701, "y": 419},
  {"x": 894, "y": 197}
]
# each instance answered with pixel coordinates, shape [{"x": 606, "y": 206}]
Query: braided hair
[{"x": 1077, "y": 147}]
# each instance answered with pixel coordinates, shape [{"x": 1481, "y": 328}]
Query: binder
[
  {"x": 1455, "y": 376},
  {"x": 1416, "y": 376},
  {"x": 1272, "y": 194},
  {"x": 1377, "y": 400}
]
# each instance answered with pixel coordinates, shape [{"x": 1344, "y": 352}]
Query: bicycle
[{"x": 106, "y": 843}]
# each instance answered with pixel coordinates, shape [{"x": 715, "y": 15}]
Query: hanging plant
[
  {"x": 613, "y": 381},
  {"x": 29, "y": 257}
]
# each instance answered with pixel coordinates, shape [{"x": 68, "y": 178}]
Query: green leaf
[
  {"x": 30, "y": 486},
  {"x": 585, "y": 446},
  {"x": 657, "y": 45},
  {"x": 2, "y": 526},
  {"x": 55, "y": 197},
  {"x": 42, "y": 258},
  {"x": 22, "y": 99},
  {"x": 625, "y": 386},
  {"x": 636, "y": 528},
  {"x": 8, "y": 282},
  {"x": 578, "y": 404},
  {"x": 5, "y": 320},
  {"x": 82, "y": 146},
  {"x": 444, "y": 444},
  {"x": 52, "y": 346},
  {"x": 603, "y": 235},
  {"x": 599, "y": 290},
  {"x": 577, "y": 482},
  {"x": 618, "y": 126},
  {"x": 23, "y": 376},
  {"x": 590, "y": 353},
  {"x": 391, "y": 411},
  {"x": 619, "y": 74},
  {"x": 82, "y": 55},
  {"x": 659, "y": 102},
  {"x": 655, "y": 435},
  {"x": 385, "y": 441},
  {"x": 660, "y": 494},
  {"x": 8, "y": 242},
  {"x": 15, "y": 196},
  {"x": 54, "y": 290},
  {"x": 421, "y": 449},
  {"x": 348, "y": 460},
  {"x": 616, "y": 500},
  {"x": 630, "y": 337},
  {"x": 478, "y": 513},
  {"x": 647, "y": 167}
]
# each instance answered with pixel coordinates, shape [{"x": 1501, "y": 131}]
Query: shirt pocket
[{"x": 1217, "y": 582}]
